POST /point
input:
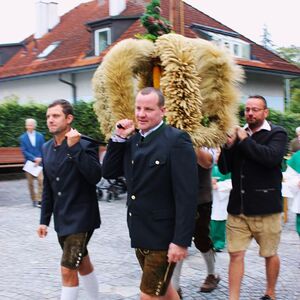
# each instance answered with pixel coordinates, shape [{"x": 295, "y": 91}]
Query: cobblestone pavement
[{"x": 30, "y": 266}]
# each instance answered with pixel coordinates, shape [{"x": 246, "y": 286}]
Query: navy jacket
[
  {"x": 70, "y": 177},
  {"x": 255, "y": 166},
  {"x": 31, "y": 152},
  {"x": 161, "y": 176}
]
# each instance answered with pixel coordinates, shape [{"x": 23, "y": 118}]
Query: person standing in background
[{"x": 31, "y": 143}]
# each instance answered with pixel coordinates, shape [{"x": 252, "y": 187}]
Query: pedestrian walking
[
  {"x": 253, "y": 155},
  {"x": 71, "y": 170},
  {"x": 160, "y": 168}
]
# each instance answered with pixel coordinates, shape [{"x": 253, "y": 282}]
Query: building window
[
  {"x": 102, "y": 40},
  {"x": 237, "y": 47},
  {"x": 48, "y": 50},
  {"x": 236, "y": 50}
]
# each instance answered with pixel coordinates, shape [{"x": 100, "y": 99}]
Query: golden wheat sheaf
[
  {"x": 116, "y": 79},
  {"x": 179, "y": 82},
  {"x": 219, "y": 86},
  {"x": 102, "y": 105},
  {"x": 199, "y": 81}
]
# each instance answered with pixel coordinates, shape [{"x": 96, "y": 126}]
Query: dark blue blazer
[
  {"x": 162, "y": 182},
  {"x": 69, "y": 193},
  {"x": 31, "y": 152},
  {"x": 255, "y": 166}
]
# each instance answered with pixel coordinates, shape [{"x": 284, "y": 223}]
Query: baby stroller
[{"x": 111, "y": 189}]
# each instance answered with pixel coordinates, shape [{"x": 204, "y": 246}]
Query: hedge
[{"x": 13, "y": 115}]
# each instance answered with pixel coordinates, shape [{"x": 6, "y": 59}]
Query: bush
[{"x": 13, "y": 115}]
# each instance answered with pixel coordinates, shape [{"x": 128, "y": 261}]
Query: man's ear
[
  {"x": 70, "y": 119},
  {"x": 266, "y": 112}
]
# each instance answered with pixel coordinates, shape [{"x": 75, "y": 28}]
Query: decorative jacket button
[
  {"x": 59, "y": 193},
  {"x": 132, "y": 197},
  {"x": 157, "y": 162},
  {"x": 243, "y": 191},
  {"x": 57, "y": 178}
]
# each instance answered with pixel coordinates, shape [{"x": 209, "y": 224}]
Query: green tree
[
  {"x": 266, "y": 39},
  {"x": 292, "y": 54}
]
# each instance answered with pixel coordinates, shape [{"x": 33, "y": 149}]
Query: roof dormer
[
  {"x": 227, "y": 39},
  {"x": 107, "y": 31}
]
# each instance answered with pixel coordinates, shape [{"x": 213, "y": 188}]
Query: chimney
[
  {"x": 47, "y": 17},
  {"x": 116, "y": 7},
  {"x": 41, "y": 19},
  {"x": 53, "y": 18}
]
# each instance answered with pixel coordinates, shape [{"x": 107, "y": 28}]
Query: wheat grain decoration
[
  {"x": 179, "y": 82},
  {"x": 123, "y": 70},
  {"x": 221, "y": 78},
  {"x": 199, "y": 81}
]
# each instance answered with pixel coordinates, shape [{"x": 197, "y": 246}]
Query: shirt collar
[
  {"x": 31, "y": 133},
  {"x": 151, "y": 130},
  {"x": 264, "y": 126}
]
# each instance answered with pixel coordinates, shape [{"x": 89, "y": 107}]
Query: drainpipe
[
  {"x": 287, "y": 93},
  {"x": 72, "y": 84}
]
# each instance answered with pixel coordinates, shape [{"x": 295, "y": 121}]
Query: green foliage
[
  {"x": 86, "y": 121},
  {"x": 267, "y": 39},
  {"x": 154, "y": 23},
  {"x": 292, "y": 54},
  {"x": 13, "y": 115},
  {"x": 295, "y": 101},
  {"x": 12, "y": 120},
  {"x": 147, "y": 36}
]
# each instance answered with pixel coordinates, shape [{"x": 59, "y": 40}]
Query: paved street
[{"x": 30, "y": 266}]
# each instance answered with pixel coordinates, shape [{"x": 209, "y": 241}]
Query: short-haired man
[
  {"x": 253, "y": 155},
  {"x": 31, "y": 143},
  {"x": 160, "y": 167},
  {"x": 71, "y": 170}
]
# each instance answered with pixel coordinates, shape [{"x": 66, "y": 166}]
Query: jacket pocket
[{"x": 267, "y": 190}]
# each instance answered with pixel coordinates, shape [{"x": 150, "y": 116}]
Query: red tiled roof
[{"x": 76, "y": 41}]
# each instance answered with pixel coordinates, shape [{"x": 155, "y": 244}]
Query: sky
[{"x": 17, "y": 18}]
